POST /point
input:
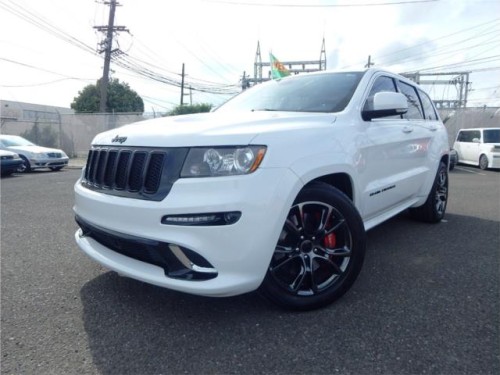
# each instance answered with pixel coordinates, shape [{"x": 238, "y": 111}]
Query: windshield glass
[
  {"x": 15, "y": 141},
  {"x": 491, "y": 136},
  {"x": 301, "y": 93}
]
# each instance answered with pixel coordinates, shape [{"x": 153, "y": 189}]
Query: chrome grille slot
[
  {"x": 135, "y": 172},
  {"x": 154, "y": 172},
  {"x": 109, "y": 172},
  {"x": 122, "y": 170}
]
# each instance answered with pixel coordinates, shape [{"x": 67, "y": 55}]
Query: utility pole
[
  {"x": 182, "y": 85},
  {"x": 107, "y": 45},
  {"x": 369, "y": 64}
]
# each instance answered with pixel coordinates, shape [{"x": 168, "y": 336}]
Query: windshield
[
  {"x": 302, "y": 93},
  {"x": 15, "y": 141},
  {"x": 491, "y": 136}
]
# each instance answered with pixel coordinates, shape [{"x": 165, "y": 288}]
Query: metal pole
[{"x": 107, "y": 58}]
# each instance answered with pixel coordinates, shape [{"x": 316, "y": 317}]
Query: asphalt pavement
[{"x": 426, "y": 301}]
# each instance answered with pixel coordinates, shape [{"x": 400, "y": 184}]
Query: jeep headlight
[{"x": 222, "y": 161}]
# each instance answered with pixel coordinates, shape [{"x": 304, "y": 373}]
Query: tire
[
  {"x": 320, "y": 251},
  {"x": 25, "y": 167},
  {"x": 452, "y": 166},
  {"x": 434, "y": 208},
  {"x": 483, "y": 162},
  {"x": 55, "y": 169}
]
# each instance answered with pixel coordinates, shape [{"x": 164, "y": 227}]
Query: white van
[{"x": 479, "y": 146}]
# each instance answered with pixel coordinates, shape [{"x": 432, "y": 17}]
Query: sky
[{"x": 48, "y": 48}]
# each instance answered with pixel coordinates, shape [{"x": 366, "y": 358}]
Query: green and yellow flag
[{"x": 278, "y": 70}]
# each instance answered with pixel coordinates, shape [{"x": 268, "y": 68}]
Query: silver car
[{"x": 34, "y": 156}]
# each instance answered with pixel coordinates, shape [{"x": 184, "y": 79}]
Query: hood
[
  {"x": 210, "y": 129},
  {"x": 7, "y": 153},
  {"x": 33, "y": 149}
]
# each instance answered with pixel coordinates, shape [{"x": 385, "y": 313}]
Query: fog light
[{"x": 205, "y": 219}]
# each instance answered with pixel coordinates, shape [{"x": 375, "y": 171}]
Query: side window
[
  {"x": 382, "y": 84},
  {"x": 429, "y": 110},
  {"x": 414, "y": 106},
  {"x": 468, "y": 135}
]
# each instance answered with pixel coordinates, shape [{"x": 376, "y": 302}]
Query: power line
[
  {"x": 319, "y": 5},
  {"x": 460, "y": 64},
  {"x": 41, "y": 23},
  {"x": 439, "y": 38},
  {"x": 42, "y": 83},
  {"x": 124, "y": 61},
  {"x": 43, "y": 70}
]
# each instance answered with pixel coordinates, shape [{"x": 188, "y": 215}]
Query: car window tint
[
  {"x": 429, "y": 110},
  {"x": 491, "y": 136},
  {"x": 475, "y": 134},
  {"x": 381, "y": 84},
  {"x": 414, "y": 106},
  {"x": 468, "y": 135},
  {"x": 307, "y": 93}
]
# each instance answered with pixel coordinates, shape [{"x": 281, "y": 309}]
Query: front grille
[
  {"x": 54, "y": 154},
  {"x": 148, "y": 251},
  {"x": 7, "y": 157},
  {"x": 139, "y": 172}
]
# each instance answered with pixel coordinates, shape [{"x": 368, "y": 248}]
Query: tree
[
  {"x": 187, "y": 109},
  {"x": 46, "y": 136},
  {"x": 121, "y": 98}
]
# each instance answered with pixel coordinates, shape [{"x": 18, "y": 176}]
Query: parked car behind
[
  {"x": 479, "y": 146},
  {"x": 34, "y": 156},
  {"x": 10, "y": 162}
]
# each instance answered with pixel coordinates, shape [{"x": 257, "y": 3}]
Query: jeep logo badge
[{"x": 119, "y": 139}]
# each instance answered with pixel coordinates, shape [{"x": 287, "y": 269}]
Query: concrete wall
[{"x": 76, "y": 131}]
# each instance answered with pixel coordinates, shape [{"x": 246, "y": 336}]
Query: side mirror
[
  {"x": 385, "y": 104},
  {"x": 475, "y": 140}
]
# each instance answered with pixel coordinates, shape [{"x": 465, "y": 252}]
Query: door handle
[{"x": 407, "y": 129}]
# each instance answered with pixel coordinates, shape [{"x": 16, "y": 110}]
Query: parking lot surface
[{"x": 426, "y": 302}]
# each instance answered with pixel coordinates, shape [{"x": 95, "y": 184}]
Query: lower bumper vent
[{"x": 177, "y": 262}]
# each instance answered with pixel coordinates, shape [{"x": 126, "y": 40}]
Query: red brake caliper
[{"x": 330, "y": 241}]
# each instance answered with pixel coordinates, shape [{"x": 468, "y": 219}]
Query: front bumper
[
  {"x": 49, "y": 163},
  {"x": 10, "y": 165},
  {"x": 494, "y": 160},
  {"x": 239, "y": 253}
]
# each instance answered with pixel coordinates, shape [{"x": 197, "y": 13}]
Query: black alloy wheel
[
  {"x": 319, "y": 253},
  {"x": 434, "y": 208}
]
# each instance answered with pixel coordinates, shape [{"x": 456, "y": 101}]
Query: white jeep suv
[{"x": 274, "y": 190}]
